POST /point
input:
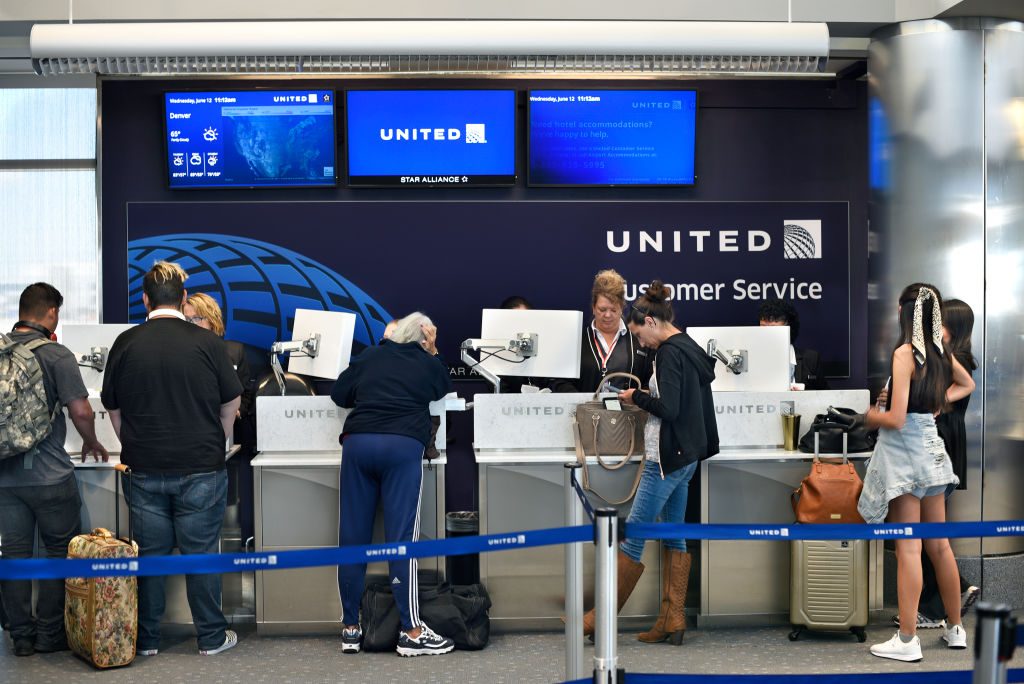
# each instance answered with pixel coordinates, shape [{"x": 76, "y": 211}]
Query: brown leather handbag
[{"x": 830, "y": 491}]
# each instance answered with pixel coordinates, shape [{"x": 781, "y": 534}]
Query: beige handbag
[{"x": 600, "y": 432}]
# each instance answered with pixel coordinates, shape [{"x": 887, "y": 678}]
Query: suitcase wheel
[
  {"x": 795, "y": 634},
  {"x": 861, "y": 634}
]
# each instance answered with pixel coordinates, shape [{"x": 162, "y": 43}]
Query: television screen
[
  {"x": 612, "y": 137},
  {"x": 431, "y": 137},
  {"x": 255, "y": 138}
]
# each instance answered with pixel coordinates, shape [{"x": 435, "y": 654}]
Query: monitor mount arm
[
  {"x": 95, "y": 359},
  {"x": 523, "y": 345},
  {"x": 308, "y": 347},
  {"x": 736, "y": 361}
]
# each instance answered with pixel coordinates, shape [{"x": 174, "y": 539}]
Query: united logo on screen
[{"x": 258, "y": 285}]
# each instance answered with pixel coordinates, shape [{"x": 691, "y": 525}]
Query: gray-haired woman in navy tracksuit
[{"x": 388, "y": 388}]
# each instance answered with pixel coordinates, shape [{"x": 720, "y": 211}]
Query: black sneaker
[
  {"x": 24, "y": 647},
  {"x": 427, "y": 643},
  {"x": 351, "y": 640},
  {"x": 52, "y": 646},
  {"x": 968, "y": 599}
]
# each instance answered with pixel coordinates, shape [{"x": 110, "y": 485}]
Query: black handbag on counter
[
  {"x": 458, "y": 612},
  {"x": 859, "y": 439}
]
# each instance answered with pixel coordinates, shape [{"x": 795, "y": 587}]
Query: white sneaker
[
  {"x": 955, "y": 637},
  {"x": 147, "y": 652},
  {"x": 897, "y": 650},
  {"x": 230, "y": 641}
]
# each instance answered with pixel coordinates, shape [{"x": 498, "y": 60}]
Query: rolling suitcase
[
  {"x": 828, "y": 587},
  {"x": 101, "y": 613}
]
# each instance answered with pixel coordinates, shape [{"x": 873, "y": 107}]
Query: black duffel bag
[
  {"x": 459, "y": 613},
  {"x": 831, "y": 439}
]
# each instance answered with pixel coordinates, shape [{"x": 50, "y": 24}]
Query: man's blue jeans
[
  {"x": 187, "y": 512},
  {"x": 54, "y": 510},
  {"x": 656, "y": 498}
]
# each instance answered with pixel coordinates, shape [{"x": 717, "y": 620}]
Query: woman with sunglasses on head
[
  {"x": 681, "y": 431},
  {"x": 910, "y": 474}
]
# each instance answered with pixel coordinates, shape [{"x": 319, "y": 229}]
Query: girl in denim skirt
[{"x": 910, "y": 473}]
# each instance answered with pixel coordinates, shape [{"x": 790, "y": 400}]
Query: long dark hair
[
  {"x": 930, "y": 379},
  {"x": 958, "y": 319}
]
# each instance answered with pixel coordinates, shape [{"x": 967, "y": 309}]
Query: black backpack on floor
[{"x": 459, "y": 613}]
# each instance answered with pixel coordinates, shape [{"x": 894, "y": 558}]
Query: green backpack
[{"x": 25, "y": 418}]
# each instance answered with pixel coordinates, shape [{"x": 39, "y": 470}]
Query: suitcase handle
[{"x": 127, "y": 471}]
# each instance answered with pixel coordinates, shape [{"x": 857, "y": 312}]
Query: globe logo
[
  {"x": 258, "y": 285},
  {"x": 802, "y": 240}
]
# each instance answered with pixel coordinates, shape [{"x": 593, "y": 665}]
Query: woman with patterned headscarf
[{"x": 910, "y": 473}]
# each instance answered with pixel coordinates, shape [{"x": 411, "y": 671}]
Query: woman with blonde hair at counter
[
  {"x": 608, "y": 346},
  {"x": 910, "y": 474},
  {"x": 680, "y": 432}
]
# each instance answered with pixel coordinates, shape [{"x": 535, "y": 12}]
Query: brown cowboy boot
[
  {"x": 671, "y": 623},
  {"x": 629, "y": 574},
  {"x": 657, "y": 633}
]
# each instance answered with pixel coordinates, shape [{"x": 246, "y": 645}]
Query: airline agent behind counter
[{"x": 608, "y": 346}]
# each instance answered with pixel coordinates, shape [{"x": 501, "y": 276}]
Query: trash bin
[{"x": 464, "y": 569}]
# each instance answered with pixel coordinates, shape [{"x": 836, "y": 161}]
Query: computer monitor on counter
[
  {"x": 760, "y": 354},
  {"x": 333, "y": 332},
  {"x": 558, "y": 342},
  {"x": 91, "y": 344}
]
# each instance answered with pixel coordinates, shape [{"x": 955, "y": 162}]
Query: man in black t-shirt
[
  {"x": 38, "y": 490},
  {"x": 172, "y": 395}
]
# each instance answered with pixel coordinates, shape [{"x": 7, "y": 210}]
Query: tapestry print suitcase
[{"x": 101, "y": 613}]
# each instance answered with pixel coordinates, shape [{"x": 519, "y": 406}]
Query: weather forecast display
[
  {"x": 262, "y": 138},
  {"x": 612, "y": 137},
  {"x": 431, "y": 137}
]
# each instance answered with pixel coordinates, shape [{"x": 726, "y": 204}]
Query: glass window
[{"x": 48, "y": 123}]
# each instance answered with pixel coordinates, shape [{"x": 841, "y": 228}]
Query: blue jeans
[
  {"x": 657, "y": 497},
  {"x": 187, "y": 512},
  {"x": 55, "y": 510}
]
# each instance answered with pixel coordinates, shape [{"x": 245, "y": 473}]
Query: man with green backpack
[{"x": 37, "y": 478}]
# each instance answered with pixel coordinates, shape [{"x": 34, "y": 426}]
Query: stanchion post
[
  {"x": 573, "y": 581},
  {"x": 606, "y": 583},
  {"x": 993, "y": 642}
]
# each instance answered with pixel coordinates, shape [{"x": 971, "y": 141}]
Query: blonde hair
[
  {"x": 409, "y": 329},
  {"x": 207, "y": 307},
  {"x": 164, "y": 284},
  {"x": 610, "y": 285}
]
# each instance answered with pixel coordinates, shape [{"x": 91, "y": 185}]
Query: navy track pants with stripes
[{"x": 389, "y": 469}]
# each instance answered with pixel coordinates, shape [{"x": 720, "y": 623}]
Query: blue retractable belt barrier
[
  {"x": 280, "y": 560},
  {"x": 583, "y": 496},
  {"x": 946, "y": 677},
  {"x": 1004, "y": 528}
]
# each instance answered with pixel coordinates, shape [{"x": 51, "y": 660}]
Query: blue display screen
[
  {"x": 612, "y": 137},
  {"x": 431, "y": 137},
  {"x": 265, "y": 138}
]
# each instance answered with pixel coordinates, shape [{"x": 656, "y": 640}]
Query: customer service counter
[
  {"x": 297, "y": 480},
  {"x": 522, "y": 442},
  {"x": 103, "y": 503}
]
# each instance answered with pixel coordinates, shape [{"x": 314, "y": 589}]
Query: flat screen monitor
[
  {"x": 82, "y": 339},
  {"x": 612, "y": 137},
  {"x": 336, "y": 329},
  {"x": 414, "y": 138},
  {"x": 250, "y": 138},
  {"x": 767, "y": 356},
  {"x": 559, "y": 341}
]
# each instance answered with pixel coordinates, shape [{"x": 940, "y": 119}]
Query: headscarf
[{"x": 918, "y": 341}]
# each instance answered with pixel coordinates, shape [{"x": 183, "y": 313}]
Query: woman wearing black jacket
[{"x": 681, "y": 431}]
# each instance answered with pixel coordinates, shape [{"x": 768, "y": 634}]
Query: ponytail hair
[{"x": 654, "y": 302}]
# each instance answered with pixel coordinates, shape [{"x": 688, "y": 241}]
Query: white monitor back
[
  {"x": 336, "y": 330},
  {"x": 559, "y": 339},
  {"x": 767, "y": 356},
  {"x": 80, "y": 339}
]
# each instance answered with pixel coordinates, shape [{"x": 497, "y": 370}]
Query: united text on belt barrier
[
  {"x": 953, "y": 530},
  {"x": 943, "y": 677},
  {"x": 146, "y": 566}
]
